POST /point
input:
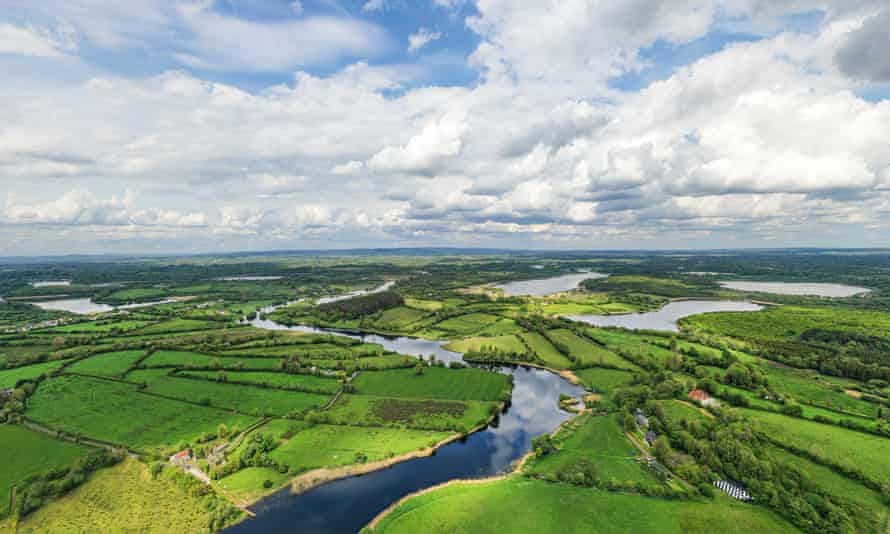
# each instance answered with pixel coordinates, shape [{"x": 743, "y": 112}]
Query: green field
[
  {"x": 124, "y": 498},
  {"x": 603, "y": 380},
  {"x": 546, "y": 351},
  {"x": 315, "y": 384},
  {"x": 118, "y": 413},
  {"x": 839, "y": 446},
  {"x": 810, "y": 386},
  {"x": 398, "y": 318},
  {"x": 245, "y": 399},
  {"x": 519, "y": 505},
  {"x": 108, "y": 363},
  {"x": 587, "y": 352},
  {"x": 782, "y": 322},
  {"x": 29, "y": 453},
  {"x": 597, "y": 443},
  {"x": 171, "y": 358},
  {"x": 336, "y": 445},
  {"x": 177, "y": 325},
  {"x": 508, "y": 344},
  {"x": 9, "y": 377},
  {"x": 464, "y": 325},
  {"x": 427, "y": 414},
  {"x": 435, "y": 383}
]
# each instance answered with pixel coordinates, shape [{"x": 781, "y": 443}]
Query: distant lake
[
  {"x": 87, "y": 306},
  {"x": 786, "y": 288},
  {"x": 358, "y": 293},
  {"x": 547, "y": 286},
  {"x": 666, "y": 318},
  {"x": 249, "y": 278},
  {"x": 82, "y": 306},
  {"x": 51, "y": 283}
]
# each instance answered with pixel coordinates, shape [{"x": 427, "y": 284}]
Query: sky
[{"x": 174, "y": 126}]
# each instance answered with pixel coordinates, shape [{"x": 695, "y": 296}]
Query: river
[{"x": 346, "y": 505}]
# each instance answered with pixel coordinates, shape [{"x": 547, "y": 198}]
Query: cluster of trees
[
  {"x": 39, "y": 489},
  {"x": 360, "y": 306},
  {"x": 496, "y": 355},
  {"x": 221, "y": 512},
  {"x": 731, "y": 448}
]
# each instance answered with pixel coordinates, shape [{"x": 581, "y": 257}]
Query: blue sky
[{"x": 213, "y": 125}]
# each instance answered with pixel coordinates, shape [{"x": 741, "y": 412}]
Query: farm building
[
  {"x": 701, "y": 396},
  {"x": 651, "y": 437},
  {"x": 181, "y": 458}
]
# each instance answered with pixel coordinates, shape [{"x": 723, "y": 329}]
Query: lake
[
  {"x": 51, "y": 283},
  {"x": 87, "y": 306},
  {"x": 81, "y": 306},
  {"x": 542, "y": 287},
  {"x": 805, "y": 288},
  {"x": 666, "y": 318}
]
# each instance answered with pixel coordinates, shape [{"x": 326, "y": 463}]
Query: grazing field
[
  {"x": 177, "y": 325},
  {"x": 245, "y": 399},
  {"x": 101, "y": 326},
  {"x": 508, "y": 344},
  {"x": 170, "y": 358},
  {"x": 413, "y": 413},
  {"x": 625, "y": 341},
  {"x": 546, "y": 351},
  {"x": 675, "y": 410},
  {"x": 336, "y": 445},
  {"x": 398, "y": 318},
  {"x": 519, "y": 505},
  {"x": 124, "y": 498},
  {"x": 594, "y": 444},
  {"x": 108, "y": 363},
  {"x": 10, "y": 377},
  {"x": 464, "y": 325},
  {"x": 850, "y": 449},
  {"x": 810, "y": 386},
  {"x": 587, "y": 352},
  {"x": 435, "y": 383},
  {"x": 28, "y": 453},
  {"x": 603, "y": 380},
  {"x": 296, "y": 382},
  {"x": 120, "y": 414},
  {"x": 790, "y": 321}
]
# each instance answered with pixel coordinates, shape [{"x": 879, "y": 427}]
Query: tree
[
  {"x": 662, "y": 448},
  {"x": 418, "y": 369},
  {"x": 629, "y": 423}
]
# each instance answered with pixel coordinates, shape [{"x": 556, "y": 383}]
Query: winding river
[{"x": 346, "y": 505}]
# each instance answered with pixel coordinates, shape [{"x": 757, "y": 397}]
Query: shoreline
[
  {"x": 309, "y": 480},
  {"x": 512, "y": 472}
]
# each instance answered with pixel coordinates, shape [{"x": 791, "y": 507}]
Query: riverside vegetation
[{"x": 94, "y": 406}]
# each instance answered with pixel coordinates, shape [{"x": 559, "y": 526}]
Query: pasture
[
  {"x": 519, "y": 505},
  {"x": 435, "y": 383},
  {"x": 29, "y": 453},
  {"x": 118, "y": 413}
]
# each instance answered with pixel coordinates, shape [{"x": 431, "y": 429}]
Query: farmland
[
  {"x": 495, "y": 507},
  {"x": 795, "y": 401}
]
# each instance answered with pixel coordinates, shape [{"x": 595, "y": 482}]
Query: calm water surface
[
  {"x": 547, "y": 286},
  {"x": 87, "y": 306},
  {"x": 666, "y": 318},
  {"x": 346, "y": 505},
  {"x": 786, "y": 288}
]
